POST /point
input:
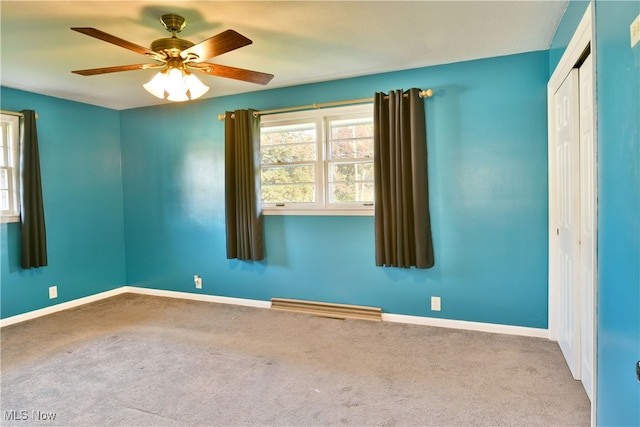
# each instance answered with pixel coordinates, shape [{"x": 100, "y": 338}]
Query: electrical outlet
[
  {"x": 435, "y": 304},
  {"x": 198, "y": 281},
  {"x": 53, "y": 292},
  {"x": 635, "y": 31}
]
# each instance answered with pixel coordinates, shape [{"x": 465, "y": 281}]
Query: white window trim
[
  {"x": 320, "y": 208},
  {"x": 332, "y": 211},
  {"x": 14, "y": 183}
]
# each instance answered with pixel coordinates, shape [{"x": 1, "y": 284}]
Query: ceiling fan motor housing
[{"x": 172, "y": 46}]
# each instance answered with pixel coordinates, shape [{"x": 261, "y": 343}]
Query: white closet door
[{"x": 568, "y": 228}]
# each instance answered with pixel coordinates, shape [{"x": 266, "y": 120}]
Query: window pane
[
  {"x": 351, "y": 172},
  {"x": 299, "y": 132},
  {"x": 4, "y": 179},
  {"x": 351, "y": 182},
  {"x": 345, "y": 192},
  {"x": 289, "y": 174},
  {"x": 4, "y": 200},
  {"x": 352, "y": 128},
  {"x": 4, "y": 150},
  {"x": 352, "y": 138},
  {"x": 288, "y": 193},
  {"x": 288, "y": 153},
  {"x": 289, "y": 143},
  {"x": 352, "y": 149},
  {"x": 288, "y": 184}
]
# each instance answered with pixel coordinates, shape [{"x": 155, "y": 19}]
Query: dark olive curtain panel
[
  {"x": 402, "y": 221},
  {"x": 33, "y": 236},
  {"x": 242, "y": 186}
]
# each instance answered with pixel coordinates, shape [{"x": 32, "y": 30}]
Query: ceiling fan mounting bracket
[{"x": 173, "y": 23}]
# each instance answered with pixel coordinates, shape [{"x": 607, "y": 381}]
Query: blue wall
[
  {"x": 82, "y": 190},
  {"x": 618, "y": 97},
  {"x": 487, "y": 147},
  {"x": 618, "y": 109}
]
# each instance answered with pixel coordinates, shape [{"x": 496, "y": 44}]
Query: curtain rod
[
  {"x": 428, "y": 93},
  {"x": 14, "y": 113}
]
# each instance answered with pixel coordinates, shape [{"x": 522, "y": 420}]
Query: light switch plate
[{"x": 635, "y": 31}]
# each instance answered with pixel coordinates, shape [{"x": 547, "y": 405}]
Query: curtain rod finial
[{"x": 427, "y": 93}]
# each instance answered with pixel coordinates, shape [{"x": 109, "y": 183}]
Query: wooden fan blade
[
  {"x": 117, "y": 68},
  {"x": 101, "y": 35},
  {"x": 234, "y": 73},
  {"x": 217, "y": 45}
]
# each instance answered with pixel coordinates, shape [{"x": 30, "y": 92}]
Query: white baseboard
[
  {"x": 58, "y": 307},
  {"x": 469, "y": 326},
  {"x": 198, "y": 297},
  {"x": 386, "y": 317}
]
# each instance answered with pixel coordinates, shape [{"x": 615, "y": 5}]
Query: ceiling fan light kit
[
  {"x": 177, "y": 58},
  {"x": 179, "y": 85}
]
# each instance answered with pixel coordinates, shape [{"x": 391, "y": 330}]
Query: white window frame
[
  {"x": 10, "y": 152},
  {"x": 322, "y": 205}
]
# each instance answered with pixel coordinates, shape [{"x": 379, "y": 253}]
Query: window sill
[
  {"x": 317, "y": 212},
  {"x": 8, "y": 219}
]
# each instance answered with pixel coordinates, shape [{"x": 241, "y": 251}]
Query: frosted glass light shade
[
  {"x": 178, "y": 96},
  {"x": 156, "y": 85},
  {"x": 196, "y": 88},
  {"x": 175, "y": 82}
]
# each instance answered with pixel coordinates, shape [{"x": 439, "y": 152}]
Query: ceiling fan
[{"x": 176, "y": 58}]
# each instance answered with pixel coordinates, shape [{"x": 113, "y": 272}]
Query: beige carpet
[{"x": 136, "y": 360}]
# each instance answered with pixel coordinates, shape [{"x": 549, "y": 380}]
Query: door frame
[{"x": 582, "y": 39}]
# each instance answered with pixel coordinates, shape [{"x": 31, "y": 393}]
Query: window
[
  {"x": 318, "y": 162},
  {"x": 9, "y": 168}
]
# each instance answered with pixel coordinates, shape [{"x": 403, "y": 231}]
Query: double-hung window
[
  {"x": 9, "y": 168},
  {"x": 318, "y": 162}
]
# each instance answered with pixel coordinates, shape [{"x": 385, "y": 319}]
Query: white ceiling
[{"x": 299, "y": 41}]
